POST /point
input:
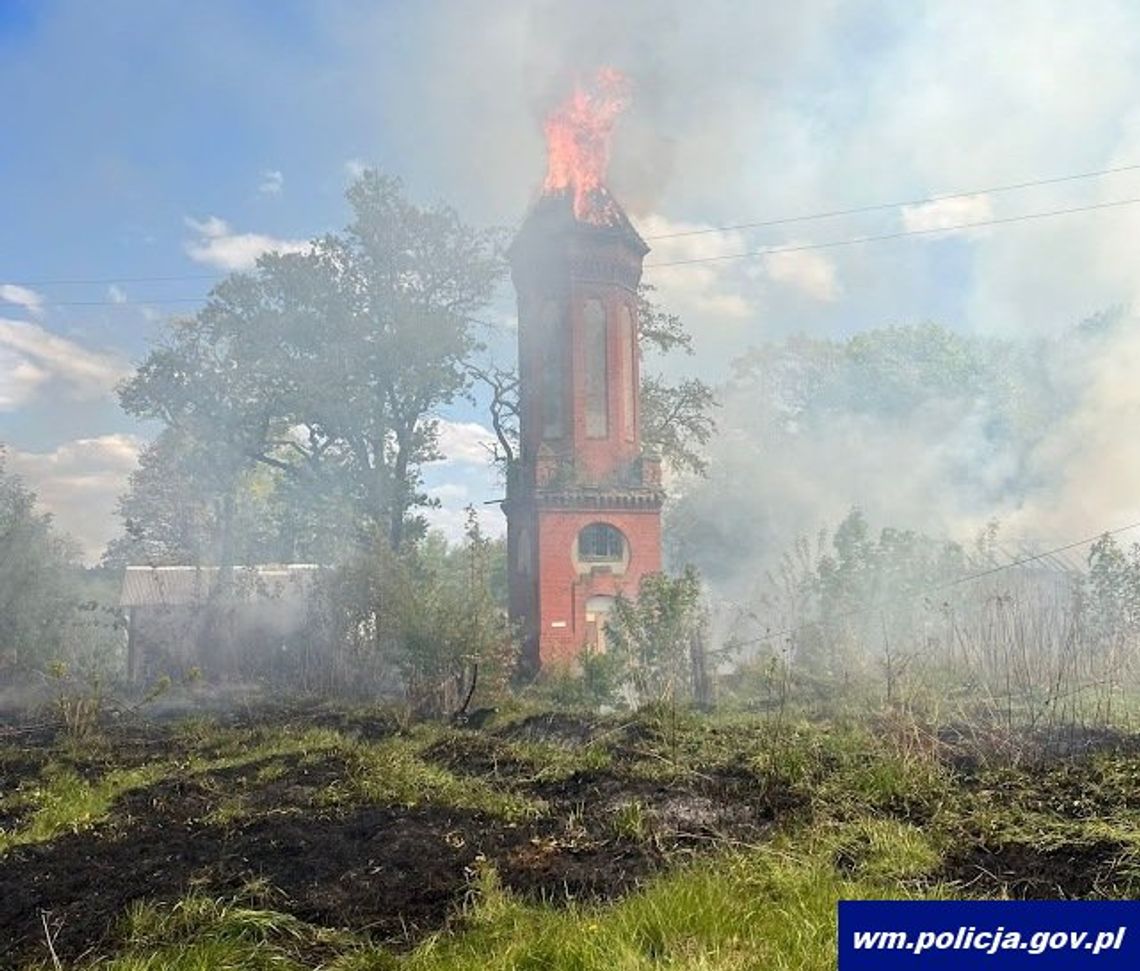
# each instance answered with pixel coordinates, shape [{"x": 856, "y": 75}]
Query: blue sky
[{"x": 152, "y": 138}]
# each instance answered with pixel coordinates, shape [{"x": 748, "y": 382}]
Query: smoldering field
[
  {"x": 906, "y": 666},
  {"x": 929, "y": 695},
  {"x": 910, "y": 671},
  {"x": 315, "y": 837}
]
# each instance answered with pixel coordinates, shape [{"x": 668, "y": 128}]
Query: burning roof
[
  {"x": 554, "y": 214},
  {"x": 578, "y": 132},
  {"x": 578, "y": 135}
]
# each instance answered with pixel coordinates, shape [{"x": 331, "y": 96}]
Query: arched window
[{"x": 601, "y": 543}]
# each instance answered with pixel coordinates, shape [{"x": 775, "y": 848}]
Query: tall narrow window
[
  {"x": 553, "y": 336},
  {"x": 594, "y": 339},
  {"x": 628, "y": 357}
]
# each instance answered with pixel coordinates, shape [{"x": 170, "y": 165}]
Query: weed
[
  {"x": 391, "y": 772},
  {"x": 66, "y": 802},
  {"x": 633, "y": 821},
  {"x": 77, "y": 710}
]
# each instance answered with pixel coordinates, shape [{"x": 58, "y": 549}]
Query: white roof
[{"x": 179, "y": 585}]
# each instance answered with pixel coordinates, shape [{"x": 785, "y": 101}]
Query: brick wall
[{"x": 564, "y": 586}]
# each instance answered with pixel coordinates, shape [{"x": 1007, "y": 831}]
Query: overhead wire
[
  {"x": 766, "y": 251},
  {"x": 900, "y": 234},
  {"x": 785, "y": 220},
  {"x": 880, "y": 206}
]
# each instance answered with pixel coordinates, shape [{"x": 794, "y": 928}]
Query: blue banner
[{"x": 925, "y": 935}]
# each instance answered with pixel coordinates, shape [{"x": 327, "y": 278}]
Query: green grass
[
  {"x": 65, "y": 802},
  {"x": 386, "y": 772},
  {"x": 393, "y": 773},
  {"x": 203, "y": 934},
  {"x": 870, "y": 811}
]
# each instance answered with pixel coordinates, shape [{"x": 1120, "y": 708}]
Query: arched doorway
[{"x": 598, "y": 608}]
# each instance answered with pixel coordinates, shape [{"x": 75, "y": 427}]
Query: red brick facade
[{"x": 580, "y": 464}]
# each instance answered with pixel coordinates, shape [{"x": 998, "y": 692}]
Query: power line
[
  {"x": 878, "y": 206},
  {"x": 806, "y": 217},
  {"x": 91, "y": 281},
  {"x": 186, "y": 300},
  {"x": 938, "y": 588},
  {"x": 831, "y": 244},
  {"x": 766, "y": 251},
  {"x": 120, "y": 303}
]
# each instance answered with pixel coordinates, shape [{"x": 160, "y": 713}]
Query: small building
[{"x": 178, "y": 620}]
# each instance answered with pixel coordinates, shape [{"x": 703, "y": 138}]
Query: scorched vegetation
[{"x": 334, "y": 838}]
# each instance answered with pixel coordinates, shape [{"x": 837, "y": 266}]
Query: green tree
[
  {"x": 428, "y": 617},
  {"x": 823, "y": 413},
  {"x": 171, "y": 517},
  {"x": 1113, "y": 586},
  {"x": 328, "y": 366},
  {"x": 38, "y": 579}
]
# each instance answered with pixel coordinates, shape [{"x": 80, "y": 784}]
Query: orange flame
[{"x": 578, "y": 139}]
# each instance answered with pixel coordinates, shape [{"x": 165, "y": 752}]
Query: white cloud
[
  {"x": 450, "y": 518},
  {"x": 116, "y": 294},
  {"x": 32, "y": 357},
  {"x": 449, "y": 493},
  {"x": 354, "y": 168},
  {"x": 79, "y": 483},
  {"x": 946, "y": 214},
  {"x": 465, "y": 442},
  {"x": 272, "y": 182},
  {"x": 713, "y": 293},
  {"x": 21, "y": 297},
  {"x": 20, "y": 379},
  {"x": 217, "y": 245},
  {"x": 808, "y": 271}
]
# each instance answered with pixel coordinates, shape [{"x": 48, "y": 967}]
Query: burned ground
[
  {"x": 561, "y": 808},
  {"x": 394, "y": 871}
]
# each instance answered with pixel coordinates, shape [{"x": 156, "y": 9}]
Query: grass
[
  {"x": 392, "y": 772},
  {"x": 64, "y": 802},
  {"x": 632, "y": 821},
  {"x": 773, "y": 907},
  {"x": 876, "y": 810},
  {"x": 201, "y": 933},
  {"x": 386, "y": 772}
]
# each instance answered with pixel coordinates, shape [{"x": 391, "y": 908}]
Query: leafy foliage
[
  {"x": 427, "y": 618},
  {"x": 51, "y": 609},
  {"x": 676, "y": 418},
  {"x": 651, "y": 640},
  {"x": 37, "y": 582},
  {"x": 326, "y": 367},
  {"x": 894, "y": 419},
  {"x": 1114, "y": 589}
]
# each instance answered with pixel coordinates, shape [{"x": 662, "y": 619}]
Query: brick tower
[{"x": 583, "y": 503}]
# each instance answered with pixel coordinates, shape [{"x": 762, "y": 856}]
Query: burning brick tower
[{"x": 584, "y": 504}]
